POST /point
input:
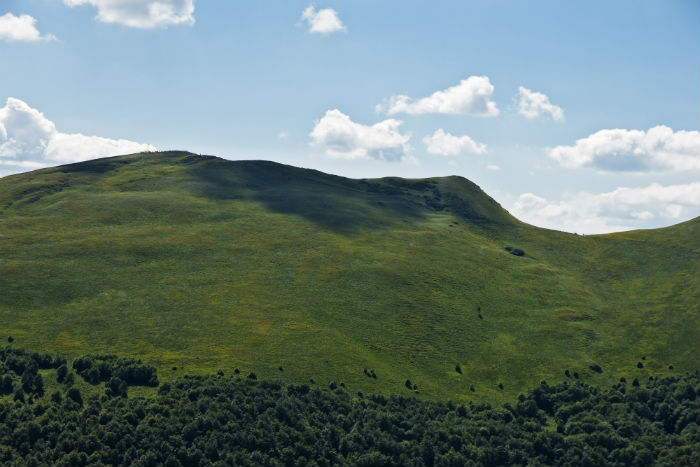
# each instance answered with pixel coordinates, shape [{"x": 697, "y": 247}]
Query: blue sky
[{"x": 579, "y": 116}]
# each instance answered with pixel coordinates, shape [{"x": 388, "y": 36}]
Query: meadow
[{"x": 194, "y": 264}]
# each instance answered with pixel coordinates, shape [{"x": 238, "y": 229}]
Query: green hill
[{"x": 200, "y": 263}]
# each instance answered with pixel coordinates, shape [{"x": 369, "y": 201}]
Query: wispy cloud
[
  {"x": 142, "y": 14},
  {"x": 617, "y": 150},
  {"x": 21, "y": 28},
  {"x": 342, "y": 138},
  {"x": 324, "y": 21},
  {"x": 533, "y": 105},
  {"x": 472, "y": 96},
  {"x": 29, "y": 140}
]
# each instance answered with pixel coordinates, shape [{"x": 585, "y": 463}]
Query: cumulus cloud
[
  {"x": 533, "y": 105},
  {"x": 28, "y": 140},
  {"x": 21, "y": 29},
  {"x": 472, "y": 96},
  {"x": 324, "y": 21},
  {"x": 445, "y": 144},
  {"x": 657, "y": 149},
  {"x": 493, "y": 167},
  {"x": 621, "y": 209},
  {"x": 342, "y": 138},
  {"x": 142, "y": 14}
]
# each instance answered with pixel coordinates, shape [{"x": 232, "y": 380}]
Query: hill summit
[{"x": 198, "y": 263}]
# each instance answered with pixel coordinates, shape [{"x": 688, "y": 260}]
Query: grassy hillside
[{"x": 199, "y": 263}]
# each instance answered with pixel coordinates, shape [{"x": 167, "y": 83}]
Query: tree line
[{"x": 223, "y": 421}]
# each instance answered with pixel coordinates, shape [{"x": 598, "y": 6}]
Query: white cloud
[
  {"x": 658, "y": 149},
  {"x": 324, "y": 21},
  {"x": 445, "y": 144},
  {"x": 470, "y": 97},
  {"x": 621, "y": 209},
  {"x": 282, "y": 135},
  {"x": 21, "y": 28},
  {"x": 143, "y": 14},
  {"x": 28, "y": 140},
  {"x": 493, "y": 167},
  {"x": 342, "y": 138},
  {"x": 533, "y": 105}
]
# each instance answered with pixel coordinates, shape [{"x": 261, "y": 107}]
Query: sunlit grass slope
[{"x": 200, "y": 263}]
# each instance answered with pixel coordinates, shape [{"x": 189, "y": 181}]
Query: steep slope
[{"x": 200, "y": 263}]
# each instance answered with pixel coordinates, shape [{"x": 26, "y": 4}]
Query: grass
[{"x": 199, "y": 263}]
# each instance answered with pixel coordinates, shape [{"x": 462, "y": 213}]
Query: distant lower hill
[{"x": 196, "y": 263}]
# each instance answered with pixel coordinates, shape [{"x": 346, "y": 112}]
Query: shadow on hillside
[
  {"x": 335, "y": 203},
  {"x": 96, "y": 166}
]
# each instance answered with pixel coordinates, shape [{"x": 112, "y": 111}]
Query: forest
[{"x": 224, "y": 420}]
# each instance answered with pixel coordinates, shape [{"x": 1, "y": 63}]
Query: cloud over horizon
[
  {"x": 21, "y": 28},
  {"x": 472, "y": 96},
  {"x": 28, "y": 140},
  {"x": 342, "y": 138},
  {"x": 532, "y": 105},
  {"x": 141, "y": 14},
  {"x": 446, "y": 144},
  {"x": 621, "y": 209},
  {"x": 324, "y": 21},
  {"x": 617, "y": 150}
]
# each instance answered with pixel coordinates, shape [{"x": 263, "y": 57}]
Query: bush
[
  {"x": 74, "y": 395},
  {"x": 105, "y": 371},
  {"x": 515, "y": 251},
  {"x": 96, "y": 368},
  {"x": 38, "y": 385},
  {"x": 91, "y": 375},
  {"x": 82, "y": 364},
  {"x": 61, "y": 372},
  {"x": 6, "y": 384},
  {"x": 115, "y": 387},
  {"x": 595, "y": 367},
  {"x": 28, "y": 380},
  {"x": 69, "y": 379}
]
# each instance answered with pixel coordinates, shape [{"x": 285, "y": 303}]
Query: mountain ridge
[{"x": 199, "y": 263}]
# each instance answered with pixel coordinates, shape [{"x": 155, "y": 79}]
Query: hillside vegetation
[
  {"x": 197, "y": 263},
  {"x": 233, "y": 420}
]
